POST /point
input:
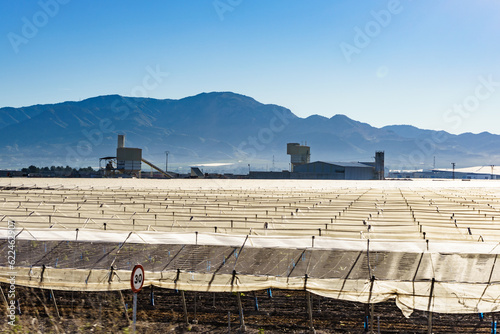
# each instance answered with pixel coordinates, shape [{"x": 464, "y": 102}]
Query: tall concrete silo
[
  {"x": 128, "y": 160},
  {"x": 379, "y": 165},
  {"x": 299, "y": 154}
]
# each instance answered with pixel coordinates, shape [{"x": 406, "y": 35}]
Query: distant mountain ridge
[{"x": 219, "y": 127}]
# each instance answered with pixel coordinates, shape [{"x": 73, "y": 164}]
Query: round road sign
[{"x": 137, "y": 278}]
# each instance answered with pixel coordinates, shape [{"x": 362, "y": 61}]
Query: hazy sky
[{"x": 432, "y": 64}]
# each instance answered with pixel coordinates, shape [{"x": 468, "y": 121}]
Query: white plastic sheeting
[
  {"x": 429, "y": 247},
  {"x": 466, "y": 279}
]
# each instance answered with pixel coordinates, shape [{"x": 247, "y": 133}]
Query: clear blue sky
[{"x": 427, "y": 63}]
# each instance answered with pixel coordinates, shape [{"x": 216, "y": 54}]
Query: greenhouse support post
[
  {"x": 184, "y": 306},
  {"x": 240, "y": 309},
  {"x": 371, "y": 308},
  {"x": 309, "y": 312},
  {"x": 429, "y": 330}
]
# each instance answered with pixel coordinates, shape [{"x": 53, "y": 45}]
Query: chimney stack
[
  {"x": 379, "y": 165},
  {"x": 121, "y": 141}
]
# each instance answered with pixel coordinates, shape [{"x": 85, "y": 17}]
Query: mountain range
[{"x": 220, "y": 128}]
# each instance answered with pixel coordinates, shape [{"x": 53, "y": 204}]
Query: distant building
[
  {"x": 335, "y": 171},
  {"x": 299, "y": 154},
  {"x": 469, "y": 173},
  {"x": 196, "y": 173},
  {"x": 128, "y": 160},
  {"x": 301, "y": 168}
]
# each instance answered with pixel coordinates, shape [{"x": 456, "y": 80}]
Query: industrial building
[
  {"x": 299, "y": 154},
  {"x": 488, "y": 172},
  {"x": 301, "y": 168},
  {"x": 335, "y": 171},
  {"x": 128, "y": 161}
]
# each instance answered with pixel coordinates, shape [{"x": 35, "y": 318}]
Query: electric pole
[
  {"x": 453, "y": 174},
  {"x": 166, "y": 161}
]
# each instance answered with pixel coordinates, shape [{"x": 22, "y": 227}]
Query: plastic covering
[{"x": 431, "y": 246}]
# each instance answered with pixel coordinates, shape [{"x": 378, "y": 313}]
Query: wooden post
[
  {"x": 429, "y": 328},
  {"x": 309, "y": 312},
  {"x": 124, "y": 305},
  {"x": 55, "y": 303},
  {"x": 195, "y": 320},
  {"x": 184, "y": 306},
  {"x": 242, "y": 317},
  {"x": 371, "y": 309},
  {"x": 366, "y": 317}
]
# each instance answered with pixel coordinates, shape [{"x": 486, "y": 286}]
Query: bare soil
[{"x": 45, "y": 311}]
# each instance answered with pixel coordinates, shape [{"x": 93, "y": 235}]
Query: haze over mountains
[{"x": 219, "y": 127}]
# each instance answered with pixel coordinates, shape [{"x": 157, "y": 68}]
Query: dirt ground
[{"x": 45, "y": 311}]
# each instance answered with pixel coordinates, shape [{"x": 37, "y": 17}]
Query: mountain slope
[{"x": 218, "y": 127}]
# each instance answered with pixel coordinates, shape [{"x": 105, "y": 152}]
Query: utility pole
[
  {"x": 492, "y": 170},
  {"x": 453, "y": 175},
  {"x": 166, "y": 161}
]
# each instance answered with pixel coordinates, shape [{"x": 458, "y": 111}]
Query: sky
[{"x": 431, "y": 64}]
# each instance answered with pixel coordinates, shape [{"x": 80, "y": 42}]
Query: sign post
[{"x": 136, "y": 282}]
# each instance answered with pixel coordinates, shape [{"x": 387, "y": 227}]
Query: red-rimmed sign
[{"x": 137, "y": 278}]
